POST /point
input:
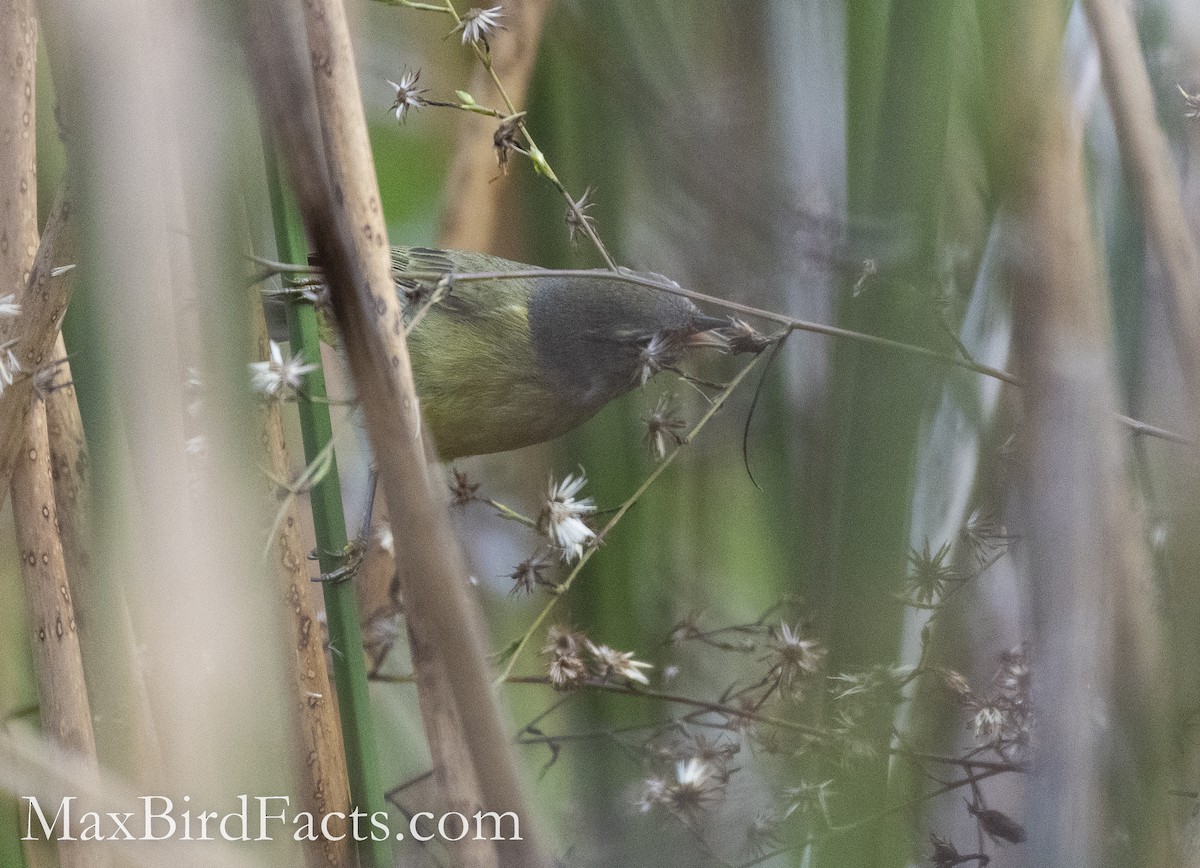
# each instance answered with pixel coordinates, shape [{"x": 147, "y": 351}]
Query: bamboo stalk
[
  {"x": 32, "y": 767},
  {"x": 18, "y": 219},
  {"x": 471, "y": 216},
  {"x": 329, "y": 524},
  {"x": 1150, "y": 169},
  {"x": 469, "y": 221},
  {"x": 1096, "y": 639},
  {"x": 118, "y": 692},
  {"x": 347, "y": 152},
  {"x": 324, "y": 786},
  {"x": 345, "y": 221},
  {"x": 62, "y": 693},
  {"x": 43, "y": 303}
]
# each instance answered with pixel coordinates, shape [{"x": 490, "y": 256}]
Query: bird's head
[{"x": 599, "y": 338}]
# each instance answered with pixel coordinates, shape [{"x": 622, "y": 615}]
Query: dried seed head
[
  {"x": 477, "y": 23},
  {"x": 408, "y": 95},
  {"x": 664, "y": 429},
  {"x": 577, "y": 219},
  {"x": 930, "y": 575},
  {"x": 505, "y": 141},
  {"x": 277, "y": 378},
  {"x": 561, "y": 519},
  {"x": 528, "y": 574},
  {"x": 567, "y": 672},
  {"x": 608, "y": 664},
  {"x": 696, "y": 789},
  {"x": 792, "y": 657},
  {"x": 744, "y": 338},
  {"x": 462, "y": 489}
]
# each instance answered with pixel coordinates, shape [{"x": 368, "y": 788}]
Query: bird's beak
[{"x": 707, "y": 332}]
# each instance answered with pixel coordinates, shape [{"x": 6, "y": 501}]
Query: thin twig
[{"x": 514, "y": 650}]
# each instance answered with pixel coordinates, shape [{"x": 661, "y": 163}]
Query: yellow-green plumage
[{"x": 501, "y": 364}]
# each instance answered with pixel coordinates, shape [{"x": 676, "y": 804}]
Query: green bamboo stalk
[
  {"x": 898, "y": 95},
  {"x": 341, "y": 607}
]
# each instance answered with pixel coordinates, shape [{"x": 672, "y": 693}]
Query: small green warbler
[{"x": 505, "y": 363}]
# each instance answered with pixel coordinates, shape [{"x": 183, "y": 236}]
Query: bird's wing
[{"x": 467, "y": 299}]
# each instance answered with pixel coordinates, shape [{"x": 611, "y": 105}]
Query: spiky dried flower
[
  {"x": 477, "y": 23},
  {"x": 664, "y": 429},
  {"x": 810, "y": 800},
  {"x": 561, "y": 519},
  {"x": 528, "y": 574},
  {"x": 9, "y": 306},
  {"x": 408, "y": 95},
  {"x": 563, "y": 640},
  {"x": 718, "y": 752},
  {"x": 1003, "y": 717},
  {"x": 744, "y": 338},
  {"x": 984, "y": 535},
  {"x": 567, "y": 672},
  {"x": 696, "y": 789},
  {"x": 278, "y": 378},
  {"x": 579, "y": 222},
  {"x": 620, "y": 664},
  {"x": 989, "y": 720},
  {"x": 792, "y": 657},
  {"x": 930, "y": 574},
  {"x": 1191, "y": 103},
  {"x": 505, "y": 140},
  {"x": 462, "y": 489}
]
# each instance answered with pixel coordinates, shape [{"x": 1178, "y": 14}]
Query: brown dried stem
[
  {"x": 62, "y": 693},
  {"x": 1151, "y": 172},
  {"x": 470, "y": 220},
  {"x": 472, "y": 216},
  {"x": 43, "y": 304},
  {"x": 32, "y": 767},
  {"x": 345, "y": 220},
  {"x": 320, "y": 755},
  {"x": 1085, "y": 540}
]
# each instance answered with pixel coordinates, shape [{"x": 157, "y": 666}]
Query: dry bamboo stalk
[
  {"x": 69, "y": 462},
  {"x": 344, "y": 218},
  {"x": 18, "y": 164},
  {"x": 42, "y": 307},
  {"x": 469, "y": 221},
  {"x": 62, "y": 693},
  {"x": 1151, "y": 172},
  {"x": 1086, "y": 543},
  {"x": 321, "y": 772},
  {"x": 180, "y": 527},
  {"x": 471, "y": 217},
  {"x": 33, "y": 767},
  {"x": 347, "y": 150},
  {"x": 18, "y": 221}
]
